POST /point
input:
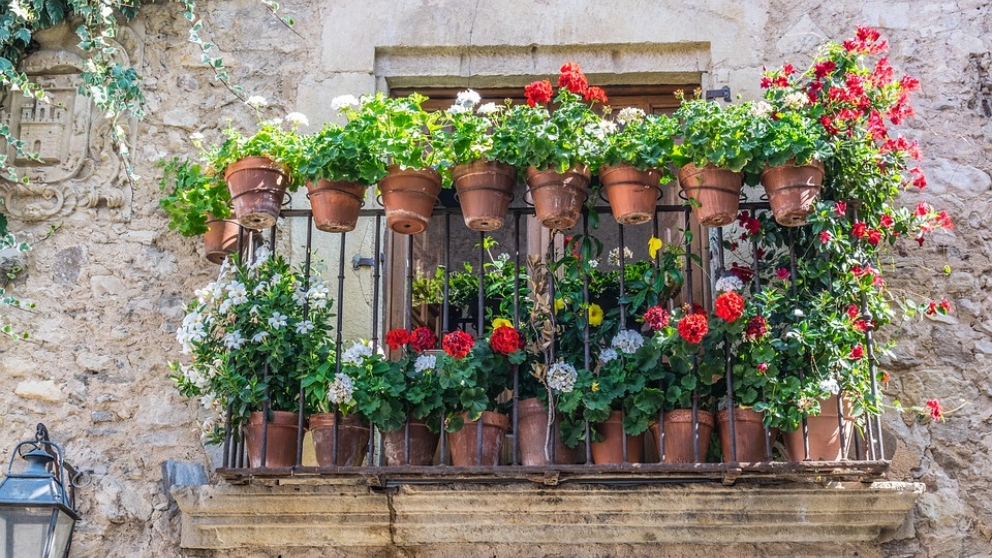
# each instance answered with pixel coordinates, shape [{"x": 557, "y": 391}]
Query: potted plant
[
  {"x": 197, "y": 204},
  {"x": 251, "y": 335},
  {"x": 483, "y": 173},
  {"x": 636, "y": 157},
  {"x": 338, "y": 427},
  {"x": 717, "y": 144},
  {"x": 556, "y": 149}
]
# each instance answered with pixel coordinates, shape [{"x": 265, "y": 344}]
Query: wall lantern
[{"x": 37, "y": 505}]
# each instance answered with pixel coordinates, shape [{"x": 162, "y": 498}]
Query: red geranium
[
  {"x": 693, "y": 327},
  {"x": 397, "y": 338},
  {"x": 757, "y": 327},
  {"x": 935, "y": 409},
  {"x": 595, "y": 94},
  {"x": 457, "y": 344},
  {"x": 506, "y": 340},
  {"x": 856, "y": 353},
  {"x": 729, "y": 306},
  {"x": 874, "y": 236},
  {"x": 423, "y": 339},
  {"x": 538, "y": 92},
  {"x": 573, "y": 79},
  {"x": 859, "y": 229},
  {"x": 656, "y": 317}
]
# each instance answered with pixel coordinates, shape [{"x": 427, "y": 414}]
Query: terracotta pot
[
  {"x": 610, "y": 450},
  {"x": 409, "y": 197},
  {"x": 335, "y": 204},
  {"x": 281, "y": 439},
  {"x": 633, "y": 194},
  {"x": 257, "y": 186},
  {"x": 823, "y": 432},
  {"x": 353, "y": 440},
  {"x": 749, "y": 432},
  {"x": 717, "y": 190},
  {"x": 485, "y": 189},
  {"x": 464, "y": 443},
  {"x": 792, "y": 190},
  {"x": 220, "y": 239},
  {"x": 532, "y": 426},
  {"x": 679, "y": 432},
  {"x": 558, "y": 197},
  {"x": 423, "y": 444}
]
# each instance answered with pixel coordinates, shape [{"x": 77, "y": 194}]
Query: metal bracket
[
  {"x": 359, "y": 262},
  {"x": 723, "y": 92},
  {"x": 733, "y": 473}
]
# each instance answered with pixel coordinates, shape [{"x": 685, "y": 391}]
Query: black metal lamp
[{"x": 37, "y": 505}]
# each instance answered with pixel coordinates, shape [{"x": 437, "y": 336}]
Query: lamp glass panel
[
  {"x": 24, "y": 531},
  {"x": 62, "y": 534}
]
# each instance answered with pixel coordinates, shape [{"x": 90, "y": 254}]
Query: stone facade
[{"x": 110, "y": 280}]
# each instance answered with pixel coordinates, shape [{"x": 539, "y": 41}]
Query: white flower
[
  {"x": 196, "y": 137},
  {"x": 458, "y": 109},
  {"x": 277, "y": 320},
  {"x": 795, "y": 100},
  {"x": 259, "y": 337},
  {"x": 317, "y": 291},
  {"x": 594, "y": 263},
  {"x": 614, "y": 258},
  {"x": 274, "y": 122},
  {"x": 761, "y": 109},
  {"x": 344, "y": 101},
  {"x": 237, "y": 293},
  {"x": 297, "y": 119},
  {"x": 630, "y": 114},
  {"x": 425, "y": 362},
  {"x": 468, "y": 98},
  {"x": 341, "y": 390},
  {"x": 257, "y": 101},
  {"x": 355, "y": 355},
  {"x": 561, "y": 377},
  {"x": 607, "y": 355},
  {"x": 830, "y": 385},
  {"x": 203, "y": 295},
  {"x": 627, "y": 341},
  {"x": 260, "y": 287},
  {"x": 262, "y": 254},
  {"x": 299, "y": 297},
  {"x": 488, "y": 108},
  {"x": 728, "y": 283},
  {"x": 234, "y": 340},
  {"x": 304, "y": 327}
]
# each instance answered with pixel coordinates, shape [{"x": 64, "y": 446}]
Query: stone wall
[{"x": 109, "y": 287}]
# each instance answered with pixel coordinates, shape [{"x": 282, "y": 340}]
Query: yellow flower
[
  {"x": 595, "y": 315},
  {"x": 595, "y": 387},
  {"x": 559, "y": 305},
  {"x": 654, "y": 244},
  {"x": 501, "y": 322}
]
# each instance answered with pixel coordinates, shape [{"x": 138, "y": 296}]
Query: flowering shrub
[{"x": 251, "y": 335}]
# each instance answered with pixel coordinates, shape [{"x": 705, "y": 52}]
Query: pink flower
[
  {"x": 935, "y": 409},
  {"x": 782, "y": 274},
  {"x": 856, "y": 353},
  {"x": 825, "y": 237},
  {"x": 841, "y": 208}
]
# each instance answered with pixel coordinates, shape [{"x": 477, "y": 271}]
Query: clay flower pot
[
  {"x": 335, "y": 204},
  {"x": 220, "y": 239},
  {"x": 749, "y": 434},
  {"x": 464, "y": 443},
  {"x": 484, "y": 189},
  {"x": 679, "y": 433},
  {"x": 558, "y": 197},
  {"x": 257, "y": 186},
  {"x": 532, "y": 426},
  {"x": 409, "y": 197},
  {"x": 823, "y": 432},
  {"x": 610, "y": 450},
  {"x": 717, "y": 191},
  {"x": 792, "y": 190},
  {"x": 281, "y": 439},
  {"x": 633, "y": 194},
  {"x": 353, "y": 440},
  {"x": 423, "y": 444}
]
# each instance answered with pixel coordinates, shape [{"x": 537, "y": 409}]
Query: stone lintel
[{"x": 223, "y": 516}]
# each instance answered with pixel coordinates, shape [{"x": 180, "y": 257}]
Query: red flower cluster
[
  {"x": 825, "y": 236},
  {"x": 506, "y": 340},
  {"x": 840, "y": 208},
  {"x": 693, "y": 327},
  {"x": 856, "y": 353},
  {"x": 859, "y": 229},
  {"x": 458, "y": 344},
  {"x": 935, "y": 409},
  {"x": 729, "y": 306},
  {"x": 750, "y": 224},
  {"x": 861, "y": 325},
  {"x": 397, "y": 338},
  {"x": 866, "y": 41},
  {"x": 538, "y": 92},
  {"x": 423, "y": 339},
  {"x": 594, "y": 94},
  {"x": 783, "y": 274},
  {"x": 757, "y": 328},
  {"x": 656, "y": 317},
  {"x": 942, "y": 307},
  {"x": 874, "y": 237},
  {"x": 886, "y": 221},
  {"x": 573, "y": 79},
  {"x": 742, "y": 272}
]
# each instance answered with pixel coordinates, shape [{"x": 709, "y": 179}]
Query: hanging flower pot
[
  {"x": 532, "y": 434},
  {"x": 423, "y": 444},
  {"x": 632, "y": 193},
  {"x": 558, "y": 197},
  {"x": 610, "y": 450},
  {"x": 353, "y": 440},
  {"x": 717, "y": 192},
  {"x": 465, "y": 442},
  {"x": 220, "y": 239},
  {"x": 823, "y": 431},
  {"x": 409, "y": 197},
  {"x": 679, "y": 434},
  {"x": 281, "y": 439},
  {"x": 257, "y": 186},
  {"x": 792, "y": 190},
  {"x": 335, "y": 204},
  {"x": 485, "y": 189},
  {"x": 749, "y": 435}
]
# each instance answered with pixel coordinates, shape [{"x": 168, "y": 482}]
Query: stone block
[
  {"x": 67, "y": 265},
  {"x": 106, "y": 285},
  {"x": 42, "y": 390}
]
